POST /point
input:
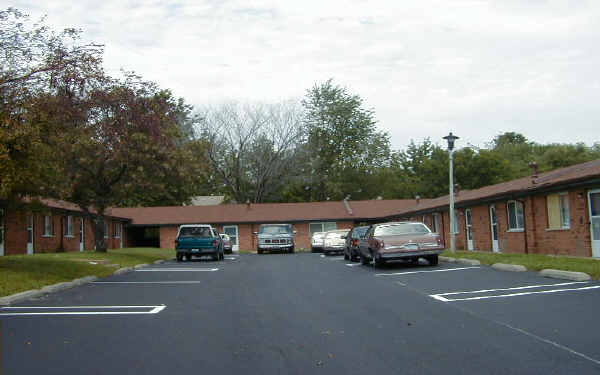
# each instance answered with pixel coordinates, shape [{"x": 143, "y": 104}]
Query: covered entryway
[
  {"x": 232, "y": 232},
  {"x": 594, "y": 203},
  {"x": 143, "y": 236}
]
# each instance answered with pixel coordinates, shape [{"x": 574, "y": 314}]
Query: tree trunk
[{"x": 101, "y": 245}]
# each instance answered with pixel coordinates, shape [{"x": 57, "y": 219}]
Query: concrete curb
[
  {"x": 22, "y": 296},
  {"x": 469, "y": 262},
  {"x": 160, "y": 261},
  {"x": 447, "y": 259},
  {"x": 566, "y": 275},
  {"x": 123, "y": 270},
  {"x": 29, "y": 294},
  {"x": 140, "y": 265},
  {"x": 509, "y": 267}
]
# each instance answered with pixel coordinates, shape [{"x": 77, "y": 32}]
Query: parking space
[{"x": 294, "y": 313}]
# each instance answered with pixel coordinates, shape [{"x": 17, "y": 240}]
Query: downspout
[{"x": 62, "y": 223}]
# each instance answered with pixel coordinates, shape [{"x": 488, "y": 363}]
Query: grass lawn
[
  {"x": 534, "y": 262},
  {"x": 24, "y": 272}
]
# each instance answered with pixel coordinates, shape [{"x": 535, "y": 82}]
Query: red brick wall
[
  {"x": 167, "y": 236},
  {"x": 15, "y": 233}
]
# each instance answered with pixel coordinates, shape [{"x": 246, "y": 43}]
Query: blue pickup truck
[{"x": 198, "y": 240}]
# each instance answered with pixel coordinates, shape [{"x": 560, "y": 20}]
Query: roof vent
[
  {"x": 456, "y": 189},
  {"x": 379, "y": 198},
  {"x": 534, "y": 171},
  {"x": 248, "y": 203},
  {"x": 418, "y": 198}
]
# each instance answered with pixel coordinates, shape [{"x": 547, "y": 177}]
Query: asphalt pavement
[{"x": 307, "y": 314}]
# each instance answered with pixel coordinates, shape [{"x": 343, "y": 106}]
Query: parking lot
[{"x": 308, "y": 313}]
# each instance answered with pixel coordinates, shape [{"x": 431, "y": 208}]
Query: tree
[
  {"x": 34, "y": 58},
  {"x": 252, "y": 147},
  {"x": 342, "y": 140}
]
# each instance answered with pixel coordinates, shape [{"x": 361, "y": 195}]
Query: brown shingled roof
[{"x": 262, "y": 212}]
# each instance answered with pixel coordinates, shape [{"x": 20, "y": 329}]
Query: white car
[
  {"x": 316, "y": 242},
  {"x": 335, "y": 241}
]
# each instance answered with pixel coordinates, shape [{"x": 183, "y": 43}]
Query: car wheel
[
  {"x": 377, "y": 262},
  {"x": 433, "y": 260},
  {"x": 179, "y": 257},
  {"x": 291, "y": 250},
  {"x": 353, "y": 256},
  {"x": 346, "y": 257},
  {"x": 188, "y": 257},
  {"x": 260, "y": 251},
  {"x": 363, "y": 259}
]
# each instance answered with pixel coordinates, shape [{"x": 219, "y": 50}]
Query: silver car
[{"x": 334, "y": 241}]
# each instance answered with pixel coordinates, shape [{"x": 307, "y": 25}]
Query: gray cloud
[{"x": 426, "y": 67}]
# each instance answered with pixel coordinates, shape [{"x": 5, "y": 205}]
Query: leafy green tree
[{"x": 343, "y": 141}]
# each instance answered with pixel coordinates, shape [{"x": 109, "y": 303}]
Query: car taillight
[
  {"x": 215, "y": 243},
  {"x": 355, "y": 242},
  {"x": 380, "y": 244}
]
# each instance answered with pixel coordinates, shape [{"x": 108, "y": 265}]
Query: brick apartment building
[{"x": 556, "y": 212}]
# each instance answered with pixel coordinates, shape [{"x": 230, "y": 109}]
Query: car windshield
[
  {"x": 278, "y": 229},
  {"x": 400, "y": 229},
  {"x": 195, "y": 232},
  {"x": 357, "y": 232}
]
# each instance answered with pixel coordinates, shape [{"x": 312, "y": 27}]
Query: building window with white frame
[
  {"x": 456, "y": 229},
  {"x": 68, "y": 230},
  {"x": 48, "y": 226},
  {"x": 435, "y": 223},
  {"x": 559, "y": 214},
  {"x": 117, "y": 230},
  {"x": 516, "y": 219},
  {"x": 322, "y": 227}
]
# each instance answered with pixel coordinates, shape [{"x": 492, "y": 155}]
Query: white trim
[
  {"x": 594, "y": 242},
  {"x": 517, "y": 228}
]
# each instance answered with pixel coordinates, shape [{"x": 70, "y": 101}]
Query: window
[
  {"x": 322, "y": 227},
  {"x": 559, "y": 215},
  {"x": 516, "y": 221},
  {"x": 435, "y": 223},
  {"x": 48, "y": 226},
  {"x": 456, "y": 228},
  {"x": 68, "y": 229},
  {"x": 117, "y": 230},
  {"x": 105, "y": 229}
]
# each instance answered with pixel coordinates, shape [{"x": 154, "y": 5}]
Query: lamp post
[{"x": 451, "y": 138}]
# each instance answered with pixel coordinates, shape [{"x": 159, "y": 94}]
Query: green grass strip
[
  {"x": 19, "y": 273},
  {"x": 534, "y": 262}
]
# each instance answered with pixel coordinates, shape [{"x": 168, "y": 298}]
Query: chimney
[
  {"x": 534, "y": 171},
  {"x": 418, "y": 198},
  {"x": 456, "y": 189},
  {"x": 248, "y": 203},
  {"x": 347, "y": 206}
]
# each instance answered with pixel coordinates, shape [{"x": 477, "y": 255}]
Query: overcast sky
[{"x": 426, "y": 67}]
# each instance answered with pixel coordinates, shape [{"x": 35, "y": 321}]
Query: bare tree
[{"x": 252, "y": 146}]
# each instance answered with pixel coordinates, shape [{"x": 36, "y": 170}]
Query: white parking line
[
  {"x": 152, "y": 310},
  {"x": 411, "y": 272},
  {"x": 353, "y": 264},
  {"x": 177, "y": 270},
  {"x": 444, "y": 296},
  {"x": 146, "y": 282},
  {"x": 231, "y": 258}
]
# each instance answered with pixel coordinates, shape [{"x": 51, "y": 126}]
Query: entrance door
[
  {"x": 494, "y": 221},
  {"x": 81, "y": 234},
  {"x": 594, "y": 202},
  {"x": 1, "y": 232},
  {"x": 30, "y": 234},
  {"x": 469, "y": 222},
  {"x": 232, "y": 232}
]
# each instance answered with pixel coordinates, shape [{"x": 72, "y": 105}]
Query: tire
[
  {"x": 291, "y": 251},
  {"x": 353, "y": 256},
  {"x": 378, "y": 262},
  {"x": 363, "y": 260},
  {"x": 216, "y": 256},
  {"x": 179, "y": 257},
  {"x": 259, "y": 251},
  {"x": 188, "y": 257},
  {"x": 433, "y": 260}
]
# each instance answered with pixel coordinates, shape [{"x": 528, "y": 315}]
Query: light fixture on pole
[{"x": 451, "y": 138}]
